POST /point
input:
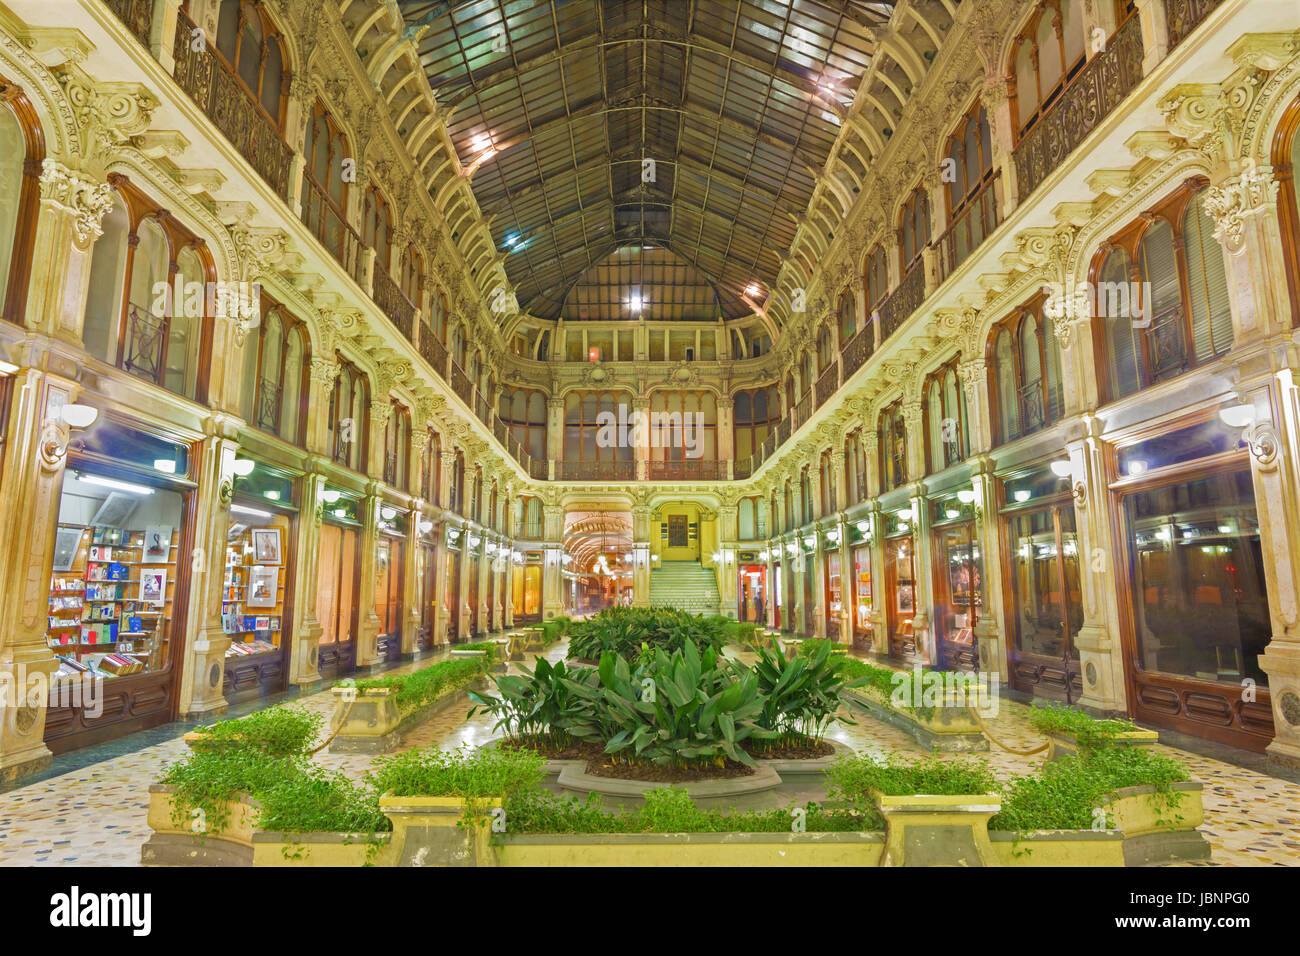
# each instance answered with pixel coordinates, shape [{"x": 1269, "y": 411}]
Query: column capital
[{"x": 87, "y": 200}]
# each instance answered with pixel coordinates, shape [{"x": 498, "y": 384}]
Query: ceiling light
[
  {"x": 79, "y": 416},
  {"x": 1061, "y": 468},
  {"x": 752, "y": 289},
  {"x": 1238, "y": 416},
  {"x": 635, "y": 302},
  {"x": 252, "y": 512},
  {"x": 126, "y": 486}
]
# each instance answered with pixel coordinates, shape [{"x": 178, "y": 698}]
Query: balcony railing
[
  {"x": 146, "y": 335},
  {"x": 393, "y": 301},
  {"x": 390, "y": 468},
  {"x": 241, "y": 119},
  {"x": 969, "y": 228},
  {"x": 904, "y": 300},
  {"x": 537, "y": 468},
  {"x": 461, "y": 385},
  {"x": 268, "y": 405},
  {"x": 137, "y": 15},
  {"x": 782, "y": 431},
  {"x": 433, "y": 351},
  {"x": 857, "y": 350},
  {"x": 595, "y": 470},
  {"x": 827, "y": 384},
  {"x": 744, "y": 467},
  {"x": 687, "y": 470},
  {"x": 802, "y": 411},
  {"x": 1097, "y": 89},
  {"x": 1184, "y": 16},
  {"x": 334, "y": 232}
]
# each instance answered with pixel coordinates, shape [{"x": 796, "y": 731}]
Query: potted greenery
[
  {"x": 1072, "y": 730},
  {"x": 371, "y": 715}
]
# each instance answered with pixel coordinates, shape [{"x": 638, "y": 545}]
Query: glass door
[
  {"x": 900, "y": 584},
  {"x": 959, "y": 592},
  {"x": 1045, "y": 610}
]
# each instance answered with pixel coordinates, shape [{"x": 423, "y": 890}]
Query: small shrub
[
  {"x": 465, "y": 773},
  {"x": 275, "y": 732},
  {"x": 418, "y": 688},
  {"x": 1087, "y": 731}
]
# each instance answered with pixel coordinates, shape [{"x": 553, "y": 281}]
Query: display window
[
  {"x": 1044, "y": 600},
  {"x": 427, "y": 575},
  {"x": 778, "y": 603},
  {"x": 862, "y": 597},
  {"x": 117, "y": 596},
  {"x": 256, "y": 605},
  {"x": 338, "y": 583},
  {"x": 958, "y": 581},
  {"x": 390, "y": 551},
  {"x": 752, "y": 593},
  {"x": 900, "y": 585},
  {"x": 1199, "y": 606},
  {"x": 451, "y": 585},
  {"x": 834, "y": 595}
]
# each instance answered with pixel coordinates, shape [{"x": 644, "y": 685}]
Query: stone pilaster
[{"x": 303, "y": 661}]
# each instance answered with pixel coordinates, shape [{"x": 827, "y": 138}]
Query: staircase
[{"x": 686, "y": 585}]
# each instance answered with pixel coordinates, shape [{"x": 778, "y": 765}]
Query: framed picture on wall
[
  {"x": 263, "y": 585},
  {"x": 157, "y": 544},
  {"x": 906, "y": 599},
  {"x": 153, "y": 586},
  {"x": 266, "y": 545}
]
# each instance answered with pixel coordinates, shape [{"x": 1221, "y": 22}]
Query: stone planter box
[
  {"x": 938, "y": 829},
  {"x": 1155, "y": 833},
  {"x": 1064, "y": 745},
  {"x": 241, "y": 843},
  {"x": 690, "y": 849},
  {"x": 950, "y": 729},
  {"x": 373, "y": 724},
  {"x": 430, "y": 831}
]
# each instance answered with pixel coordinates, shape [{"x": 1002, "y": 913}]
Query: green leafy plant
[
  {"x": 799, "y": 694},
  {"x": 419, "y": 688},
  {"x": 281, "y": 731},
  {"x": 536, "y": 704},
  {"x": 852, "y": 776},
  {"x": 1087, "y": 731},
  {"x": 470, "y": 774},
  {"x": 624, "y": 629}
]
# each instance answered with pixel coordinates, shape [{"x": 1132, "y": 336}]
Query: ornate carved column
[
  {"x": 879, "y": 616},
  {"x": 554, "y": 433},
  {"x": 1155, "y": 32},
  {"x": 913, "y": 422},
  {"x": 552, "y": 579},
  {"x": 641, "y": 453},
  {"x": 72, "y": 210},
  {"x": 975, "y": 383},
  {"x": 728, "y": 569},
  {"x": 204, "y": 644},
  {"x": 1100, "y": 650},
  {"x": 641, "y": 556},
  {"x": 871, "y": 452},
  {"x": 324, "y": 375},
  {"x": 726, "y": 432},
  {"x": 367, "y": 619},
  {"x": 31, "y": 483},
  {"x": 997, "y": 107},
  {"x": 303, "y": 661},
  {"x": 991, "y": 627},
  {"x": 1246, "y": 224},
  {"x": 923, "y": 568}
]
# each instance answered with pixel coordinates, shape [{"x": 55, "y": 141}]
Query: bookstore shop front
[
  {"x": 117, "y": 601},
  {"x": 257, "y": 599}
]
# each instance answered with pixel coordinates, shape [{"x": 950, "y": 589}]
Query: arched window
[
  {"x": 534, "y": 526},
  {"x": 1286, "y": 153},
  {"x": 789, "y": 506},
  {"x": 683, "y": 425},
  {"x": 1162, "y": 305},
  {"x": 855, "y": 467},
  {"x": 134, "y": 317},
  {"x": 805, "y": 495},
  {"x": 457, "y": 489},
  {"x": 523, "y": 411},
  {"x": 754, "y": 414},
  {"x": 492, "y": 507},
  {"x": 828, "y": 483},
  {"x": 825, "y": 349},
  {"x": 324, "y": 191},
  {"x": 412, "y": 275},
  {"x": 747, "y": 523},
  {"x": 806, "y": 375},
  {"x": 432, "y": 486},
  {"x": 251, "y": 45},
  {"x": 476, "y": 495},
  {"x": 458, "y": 345},
  {"x": 350, "y": 416},
  {"x": 1027, "y": 372},
  {"x": 438, "y": 314},
  {"x": 397, "y": 446},
  {"x": 544, "y": 345},
  {"x": 848, "y": 315},
  {"x": 276, "y": 365},
  {"x": 377, "y": 223},
  {"x": 1045, "y": 56},
  {"x": 586, "y": 413},
  {"x": 972, "y": 193},
  {"x": 21, "y": 151},
  {"x": 914, "y": 227},
  {"x": 876, "y": 279},
  {"x": 948, "y": 438},
  {"x": 893, "y": 447}
]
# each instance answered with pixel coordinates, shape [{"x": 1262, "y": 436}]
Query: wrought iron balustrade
[
  {"x": 827, "y": 384},
  {"x": 687, "y": 469},
  {"x": 1089, "y": 98},
  {"x": 392, "y": 301},
  {"x": 461, "y": 385},
  {"x": 904, "y": 300},
  {"x": 137, "y": 15},
  {"x": 969, "y": 228},
  {"x": 268, "y": 405},
  {"x": 333, "y": 231},
  {"x": 1184, "y": 16},
  {"x": 210, "y": 82},
  {"x": 595, "y": 470},
  {"x": 433, "y": 351},
  {"x": 857, "y": 350},
  {"x": 146, "y": 338}
]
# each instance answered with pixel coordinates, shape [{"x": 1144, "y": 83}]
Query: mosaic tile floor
[{"x": 95, "y": 815}]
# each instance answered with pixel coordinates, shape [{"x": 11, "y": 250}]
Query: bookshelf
[
  {"x": 110, "y": 601},
  {"x": 252, "y": 598}
]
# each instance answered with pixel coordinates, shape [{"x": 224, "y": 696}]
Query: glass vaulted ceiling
[{"x": 590, "y": 125}]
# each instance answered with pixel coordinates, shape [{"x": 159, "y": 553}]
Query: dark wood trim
[
  {"x": 14, "y": 306},
  {"x": 1288, "y": 209}
]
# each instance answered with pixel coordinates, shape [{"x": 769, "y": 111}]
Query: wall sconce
[
  {"x": 1238, "y": 416},
  {"x": 79, "y": 416},
  {"x": 55, "y": 432},
  {"x": 329, "y": 496},
  {"x": 1261, "y": 437},
  {"x": 425, "y": 526},
  {"x": 243, "y": 467},
  {"x": 966, "y": 495},
  {"x": 388, "y": 514},
  {"x": 1061, "y": 468}
]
